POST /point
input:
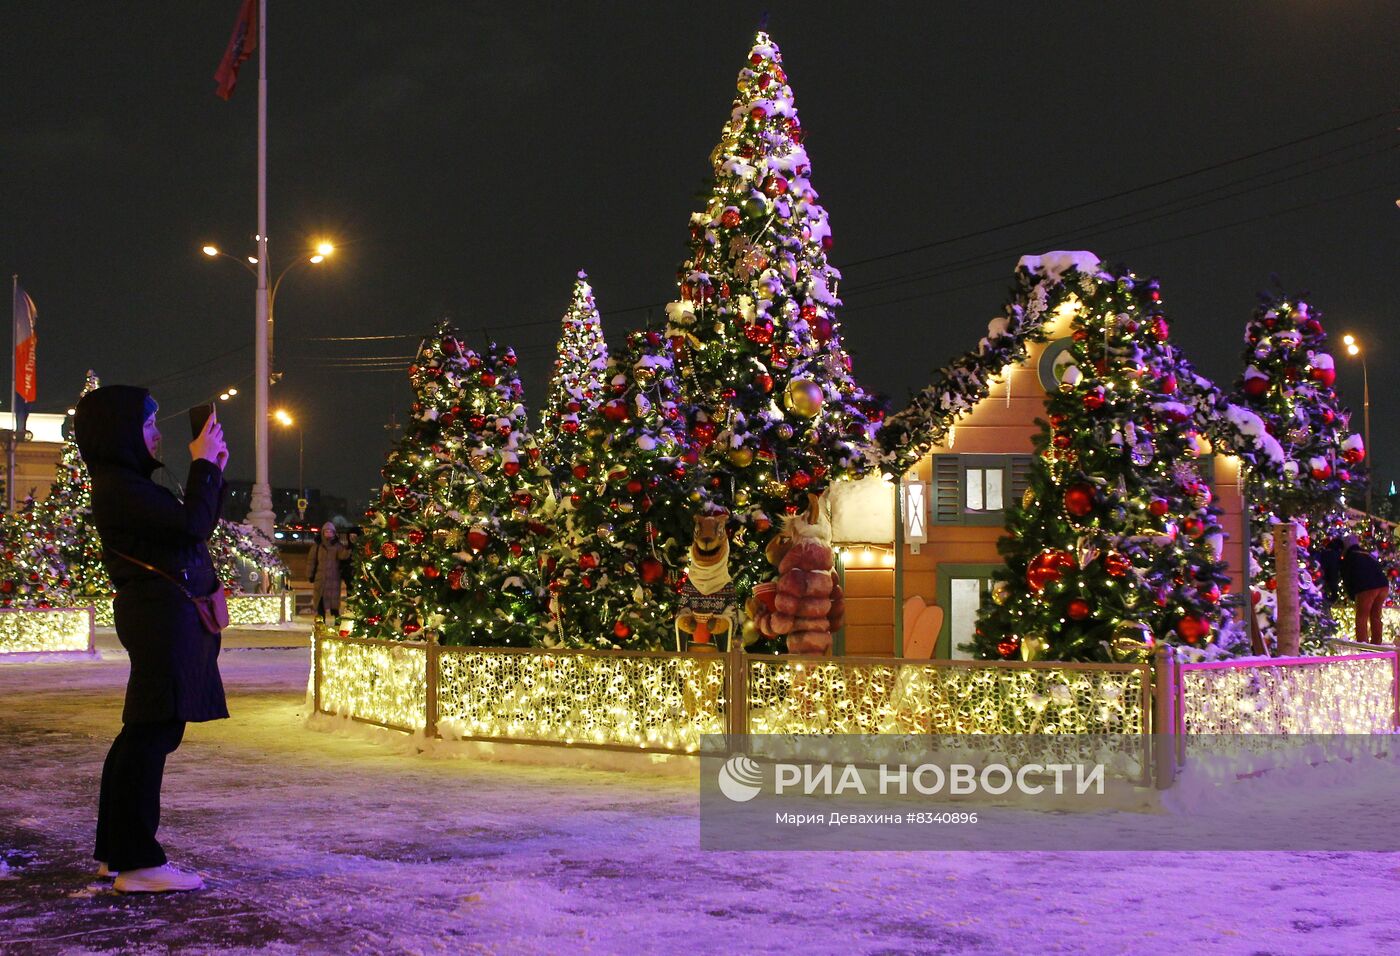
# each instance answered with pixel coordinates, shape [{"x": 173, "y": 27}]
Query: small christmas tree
[
  {"x": 775, "y": 411},
  {"x": 1116, "y": 546},
  {"x": 1287, "y": 382},
  {"x": 577, "y": 381},
  {"x": 626, "y": 507},
  {"x": 32, "y": 570},
  {"x": 414, "y": 535}
]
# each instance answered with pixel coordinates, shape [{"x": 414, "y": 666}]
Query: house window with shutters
[{"x": 977, "y": 489}]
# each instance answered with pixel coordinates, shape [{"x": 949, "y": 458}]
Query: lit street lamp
[
  {"x": 260, "y": 513},
  {"x": 1354, "y": 350},
  {"x": 283, "y": 418}
]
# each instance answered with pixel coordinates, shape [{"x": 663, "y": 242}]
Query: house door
[{"x": 962, "y": 590}]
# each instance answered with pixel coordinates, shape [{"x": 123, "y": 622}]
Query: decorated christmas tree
[
  {"x": 246, "y": 561},
  {"x": 1115, "y": 547},
  {"x": 32, "y": 570},
  {"x": 576, "y": 384},
  {"x": 773, "y": 405},
  {"x": 67, "y": 513},
  {"x": 408, "y": 574},
  {"x": 626, "y": 510},
  {"x": 1287, "y": 382}
]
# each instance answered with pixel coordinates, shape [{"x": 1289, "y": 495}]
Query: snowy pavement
[{"x": 324, "y": 843}]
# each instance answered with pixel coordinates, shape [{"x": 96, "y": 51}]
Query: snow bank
[{"x": 1053, "y": 265}]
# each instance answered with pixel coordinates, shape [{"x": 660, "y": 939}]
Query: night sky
[{"x": 469, "y": 158}]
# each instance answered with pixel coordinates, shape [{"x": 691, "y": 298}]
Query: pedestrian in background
[
  {"x": 1367, "y": 585},
  {"x": 1329, "y": 560},
  {"x": 323, "y": 568},
  {"x": 155, "y": 549}
]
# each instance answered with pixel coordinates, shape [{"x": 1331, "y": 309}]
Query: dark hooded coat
[{"x": 174, "y": 660}]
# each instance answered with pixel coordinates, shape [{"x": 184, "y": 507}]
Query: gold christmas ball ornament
[
  {"x": 1028, "y": 499},
  {"x": 741, "y": 457},
  {"x": 1001, "y": 592},
  {"x": 804, "y": 397},
  {"x": 1131, "y": 642},
  {"x": 1033, "y": 647}
]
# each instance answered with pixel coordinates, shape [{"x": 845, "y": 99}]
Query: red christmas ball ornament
[
  {"x": 651, "y": 570},
  {"x": 415, "y": 536},
  {"x": 450, "y": 346},
  {"x": 1080, "y": 499},
  {"x": 516, "y": 549},
  {"x": 799, "y": 480},
  {"x": 615, "y": 411},
  {"x": 758, "y": 112},
  {"x": 774, "y": 186},
  {"x": 389, "y": 550},
  {"x": 412, "y": 628},
  {"x": 730, "y": 218},
  {"x": 1212, "y": 594},
  {"x": 488, "y": 379},
  {"x": 580, "y": 472},
  {"x": 1008, "y": 648},
  {"x": 1328, "y": 416},
  {"x": 1194, "y": 527},
  {"x": 823, "y": 329},
  {"x": 1094, "y": 399},
  {"x": 622, "y": 630},
  {"x": 1193, "y": 628},
  {"x": 511, "y": 468},
  {"x": 1168, "y": 384},
  {"x": 634, "y": 487},
  {"x": 1321, "y": 472},
  {"x": 760, "y": 332},
  {"x": 1159, "y": 328},
  {"x": 704, "y": 433},
  {"x": 1077, "y": 609},
  {"x": 588, "y": 560},
  {"x": 1116, "y": 564},
  {"x": 808, "y": 313},
  {"x": 1056, "y": 420},
  {"x": 431, "y": 571},
  {"x": 1158, "y": 507},
  {"x": 1255, "y": 387},
  {"x": 764, "y": 382},
  {"x": 1325, "y": 376},
  {"x": 1061, "y": 441},
  {"x": 477, "y": 539},
  {"x": 1255, "y": 596},
  {"x": 1047, "y": 568}
]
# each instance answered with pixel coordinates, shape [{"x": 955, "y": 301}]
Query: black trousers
[{"x": 128, "y": 807}]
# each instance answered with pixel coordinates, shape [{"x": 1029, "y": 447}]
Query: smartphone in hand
[{"x": 199, "y": 417}]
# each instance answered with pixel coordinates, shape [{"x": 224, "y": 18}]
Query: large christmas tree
[
  {"x": 577, "y": 380},
  {"x": 453, "y": 544},
  {"x": 67, "y": 512},
  {"x": 774, "y": 406},
  {"x": 626, "y": 510},
  {"x": 1287, "y": 382},
  {"x": 1116, "y": 546}
]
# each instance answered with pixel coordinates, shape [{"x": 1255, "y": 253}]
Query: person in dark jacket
[
  {"x": 154, "y": 549},
  {"x": 1365, "y": 583},
  {"x": 1329, "y": 560}
]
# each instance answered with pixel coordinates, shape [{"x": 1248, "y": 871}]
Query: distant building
[
  {"x": 36, "y": 460},
  {"x": 320, "y": 507}
]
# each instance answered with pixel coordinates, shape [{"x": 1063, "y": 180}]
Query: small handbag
[{"x": 212, "y": 608}]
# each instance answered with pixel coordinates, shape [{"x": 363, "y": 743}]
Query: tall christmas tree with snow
[
  {"x": 67, "y": 512},
  {"x": 1287, "y": 382},
  {"x": 775, "y": 411},
  {"x": 1116, "y": 546},
  {"x": 625, "y": 509},
  {"x": 576, "y": 383}
]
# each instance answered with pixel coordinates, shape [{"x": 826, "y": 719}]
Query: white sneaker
[
  {"x": 103, "y": 873},
  {"x": 157, "y": 879}
]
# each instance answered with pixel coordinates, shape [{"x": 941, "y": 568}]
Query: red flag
[{"x": 240, "y": 46}]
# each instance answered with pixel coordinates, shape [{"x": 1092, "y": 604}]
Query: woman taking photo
[{"x": 168, "y": 612}]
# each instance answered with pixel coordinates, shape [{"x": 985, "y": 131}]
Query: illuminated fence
[
  {"x": 46, "y": 630},
  {"x": 874, "y": 696},
  {"x": 667, "y": 702},
  {"x": 243, "y": 609},
  {"x": 1350, "y": 693},
  {"x": 644, "y": 701}
]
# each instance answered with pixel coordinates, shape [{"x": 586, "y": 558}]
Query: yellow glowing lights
[
  {"x": 27, "y": 631},
  {"x": 1333, "y": 697},
  {"x": 210, "y": 251},
  {"x": 283, "y": 417},
  {"x": 324, "y": 248}
]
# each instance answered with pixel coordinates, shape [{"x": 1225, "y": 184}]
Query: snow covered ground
[{"x": 325, "y": 843}]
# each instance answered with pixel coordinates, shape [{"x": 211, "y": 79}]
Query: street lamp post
[
  {"x": 1353, "y": 345},
  {"x": 260, "y": 513}
]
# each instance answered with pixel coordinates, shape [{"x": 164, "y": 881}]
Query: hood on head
[{"x": 108, "y": 428}]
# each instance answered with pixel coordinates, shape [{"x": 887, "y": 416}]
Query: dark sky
[{"x": 470, "y": 158}]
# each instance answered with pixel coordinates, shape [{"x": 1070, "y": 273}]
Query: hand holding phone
[{"x": 208, "y": 443}]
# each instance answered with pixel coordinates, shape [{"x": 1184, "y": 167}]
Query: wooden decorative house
[{"x": 959, "y": 460}]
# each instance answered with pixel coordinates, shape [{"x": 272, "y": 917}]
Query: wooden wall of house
[{"x": 869, "y": 611}]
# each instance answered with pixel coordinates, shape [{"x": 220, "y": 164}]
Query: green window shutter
[
  {"x": 1020, "y": 468},
  {"x": 947, "y": 490}
]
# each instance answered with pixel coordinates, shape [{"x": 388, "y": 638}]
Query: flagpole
[
  {"x": 14, "y": 410},
  {"x": 260, "y": 512}
]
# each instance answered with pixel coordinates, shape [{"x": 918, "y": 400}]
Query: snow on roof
[{"x": 1053, "y": 265}]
